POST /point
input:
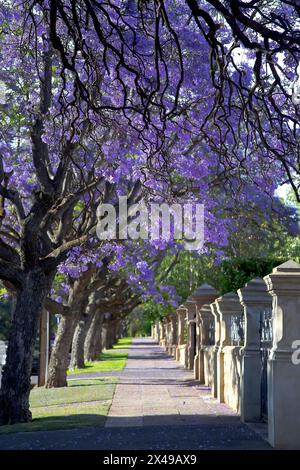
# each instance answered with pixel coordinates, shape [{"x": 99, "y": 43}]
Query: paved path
[
  {"x": 155, "y": 390},
  {"x": 157, "y": 405}
]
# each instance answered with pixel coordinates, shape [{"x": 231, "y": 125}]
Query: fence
[{"x": 242, "y": 345}]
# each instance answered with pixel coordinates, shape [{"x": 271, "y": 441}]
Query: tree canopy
[{"x": 159, "y": 101}]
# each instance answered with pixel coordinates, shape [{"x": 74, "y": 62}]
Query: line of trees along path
[{"x": 169, "y": 101}]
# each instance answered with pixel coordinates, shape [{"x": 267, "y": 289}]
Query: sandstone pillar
[
  {"x": 216, "y": 315},
  {"x": 205, "y": 294},
  {"x": 227, "y": 305},
  {"x": 181, "y": 344},
  {"x": 283, "y": 365},
  {"x": 255, "y": 300},
  {"x": 191, "y": 337}
]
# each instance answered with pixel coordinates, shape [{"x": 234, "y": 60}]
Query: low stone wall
[
  {"x": 181, "y": 354},
  {"x": 232, "y": 376},
  {"x": 171, "y": 349},
  {"x": 208, "y": 365}
]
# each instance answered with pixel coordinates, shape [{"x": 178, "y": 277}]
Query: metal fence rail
[{"x": 237, "y": 330}]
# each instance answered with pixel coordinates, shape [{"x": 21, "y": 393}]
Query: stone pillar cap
[
  {"x": 227, "y": 296},
  {"x": 205, "y": 311},
  {"x": 205, "y": 293},
  {"x": 190, "y": 302},
  {"x": 284, "y": 277},
  {"x": 289, "y": 266},
  {"x": 229, "y": 303},
  {"x": 204, "y": 289},
  {"x": 254, "y": 290},
  {"x": 191, "y": 308},
  {"x": 181, "y": 309}
]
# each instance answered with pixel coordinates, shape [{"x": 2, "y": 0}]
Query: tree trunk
[
  {"x": 104, "y": 336},
  {"x": 113, "y": 334},
  {"x": 109, "y": 335},
  {"x": 93, "y": 341},
  {"x": 44, "y": 346},
  {"x": 118, "y": 331},
  {"x": 59, "y": 359},
  {"x": 15, "y": 389},
  {"x": 77, "y": 356},
  {"x": 82, "y": 328}
]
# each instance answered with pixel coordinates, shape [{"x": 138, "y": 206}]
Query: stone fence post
[
  {"x": 181, "y": 317},
  {"x": 255, "y": 300},
  {"x": 216, "y": 315},
  {"x": 191, "y": 336},
  {"x": 170, "y": 333},
  {"x": 166, "y": 321},
  {"x": 227, "y": 305},
  {"x": 204, "y": 317},
  {"x": 283, "y": 365},
  {"x": 166, "y": 331},
  {"x": 174, "y": 333},
  {"x": 205, "y": 294},
  {"x": 156, "y": 331},
  {"x": 153, "y": 331},
  {"x": 162, "y": 335}
]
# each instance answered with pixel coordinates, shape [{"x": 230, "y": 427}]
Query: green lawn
[
  {"x": 82, "y": 403},
  {"x": 111, "y": 360},
  {"x": 123, "y": 343},
  {"x": 85, "y": 402},
  {"x": 76, "y": 392}
]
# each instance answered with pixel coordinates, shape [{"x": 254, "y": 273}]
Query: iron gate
[
  {"x": 211, "y": 333},
  {"x": 237, "y": 330},
  {"x": 195, "y": 339},
  {"x": 266, "y": 339}
]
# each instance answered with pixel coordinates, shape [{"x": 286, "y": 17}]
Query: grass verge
[
  {"x": 123, "y": 343},
  {"x": 111, "y": 360},
  {"x": 82, "y": 403},
  {"x": 85, "y": 402}
]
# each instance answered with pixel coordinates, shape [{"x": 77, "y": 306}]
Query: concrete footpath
[{"x": 156, "y": 405}]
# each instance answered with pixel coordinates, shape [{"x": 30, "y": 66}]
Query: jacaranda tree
[{"x": 97, "y": 93}]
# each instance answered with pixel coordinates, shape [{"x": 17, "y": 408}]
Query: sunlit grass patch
[
  {"x": 76, "y": 392},
  {"x": 82, "y": 403},
  {"x": 111, "y": 360},
  {"x": 62, "y": 417}
]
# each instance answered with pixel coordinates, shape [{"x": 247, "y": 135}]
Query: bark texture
[
  {"x": 59, "y": 359},
  {"x": 15, "y": 389},
  {"x": 109, "y": 334},
  {"x": 93, "y": 341},
  {"x": 77, "y": 355}
]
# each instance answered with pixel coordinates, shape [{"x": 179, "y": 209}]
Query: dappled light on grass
[
  {"x": 76, "y": 392},
  {"x": 123, "y": 343},
  {"x": 111, "y": 361},
  {"x": 85, "y": 402},
  {"x": 82, "y": 403},
  {"x": 64, "y": 417}
]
